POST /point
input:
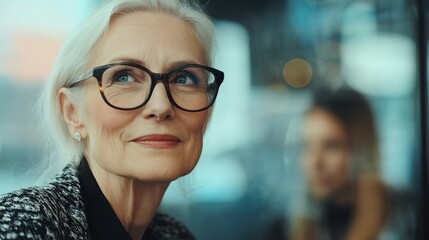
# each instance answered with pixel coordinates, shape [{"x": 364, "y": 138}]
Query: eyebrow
[
  {"x": 124, "y": 59},
  {"x": 137, "y": 61}
]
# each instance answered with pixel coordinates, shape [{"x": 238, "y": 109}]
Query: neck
[{"x": 134, "y": 202}]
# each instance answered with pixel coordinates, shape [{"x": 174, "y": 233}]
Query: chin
[
  {"x": 157, "y": 164},
  {"x": 156, "y": 170}
]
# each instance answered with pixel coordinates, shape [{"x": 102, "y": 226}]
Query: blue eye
[
  {"x": 122, "y": 77},
  {"x": 186, "y": 79}
]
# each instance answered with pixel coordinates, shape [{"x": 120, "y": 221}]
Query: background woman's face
[
  {"x": 123, "y": 142},
  {"x": 326, "y": 156}
]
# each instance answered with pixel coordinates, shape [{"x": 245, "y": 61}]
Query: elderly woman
[{"x": 127, "y": 103}]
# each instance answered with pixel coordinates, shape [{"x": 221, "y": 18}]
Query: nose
[
  {"x": 159, "y": 106},
  {"x": 314, "y": 158}
]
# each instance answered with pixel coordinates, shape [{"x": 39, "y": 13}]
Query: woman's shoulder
[
  {"x": 164, "y": 227},
  {"x": 402, "y": 220},
  {"x": 32, "y": 198},
  {"x": 37, "y": 212},
  {"x": 22, "y": 214}
]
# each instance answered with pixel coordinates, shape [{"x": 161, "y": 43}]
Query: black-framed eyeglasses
[{"x": 129, "y": 86}]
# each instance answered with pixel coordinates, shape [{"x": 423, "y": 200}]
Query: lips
[{"x": 158, "y": 140}]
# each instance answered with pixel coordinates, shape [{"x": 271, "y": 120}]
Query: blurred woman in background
[{"x": 345, "y": 196}]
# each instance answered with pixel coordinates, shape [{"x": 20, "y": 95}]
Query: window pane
[{"x": 314, "y": 134}]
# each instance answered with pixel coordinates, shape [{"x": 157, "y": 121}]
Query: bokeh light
[{"x": 297, "y": 73}]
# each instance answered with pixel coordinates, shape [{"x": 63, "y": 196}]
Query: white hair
[{"x": 74, "y": 58}]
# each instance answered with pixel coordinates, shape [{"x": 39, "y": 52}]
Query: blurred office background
[{"x": 274, "y": 54}]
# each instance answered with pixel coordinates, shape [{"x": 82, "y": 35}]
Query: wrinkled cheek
[
  {"x": 193, "y": 153},
  {"x": 100, "y": 144},
  {"x": 104, "y": 125},
  {"x": 196, "y": 125}
]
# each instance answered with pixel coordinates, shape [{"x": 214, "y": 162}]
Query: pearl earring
[{"x": 77, "y": 137}]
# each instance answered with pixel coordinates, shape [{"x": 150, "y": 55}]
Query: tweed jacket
[{"x": 56, "y": 211}]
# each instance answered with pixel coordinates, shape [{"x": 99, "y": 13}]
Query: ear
[{"x": 70, "y": 113}]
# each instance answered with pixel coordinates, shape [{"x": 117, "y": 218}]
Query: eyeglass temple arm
[{"x": 82, "y": 77}]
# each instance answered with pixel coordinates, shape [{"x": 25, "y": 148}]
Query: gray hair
[{"x": 74, "y": 58}]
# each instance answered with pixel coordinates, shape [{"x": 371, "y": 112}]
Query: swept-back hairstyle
[{"x": 74, "y": 58}]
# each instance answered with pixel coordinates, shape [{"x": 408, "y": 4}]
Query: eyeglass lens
[{"x": 191, "y": 88}]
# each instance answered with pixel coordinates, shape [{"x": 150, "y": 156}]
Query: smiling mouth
[{"x": 158, "y": 141}]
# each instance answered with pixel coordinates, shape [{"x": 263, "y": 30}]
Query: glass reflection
[
  {"x": 274, "y": 53},
  {"x": 344, "y": 196}
]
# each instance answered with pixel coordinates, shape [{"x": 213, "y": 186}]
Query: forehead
[
  {"x": 321, "y": 123},
  {"x": 154, "y": 39}
]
